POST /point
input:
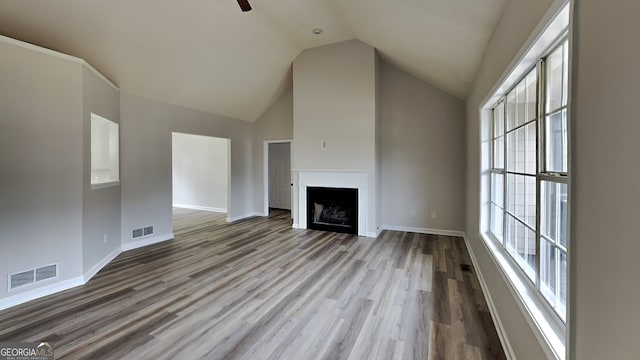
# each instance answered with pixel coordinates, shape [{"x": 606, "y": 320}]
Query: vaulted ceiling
[{"x": 210, "y": 56}]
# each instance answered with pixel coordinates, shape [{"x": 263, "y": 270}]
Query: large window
[{"x": 529, "y": 176}]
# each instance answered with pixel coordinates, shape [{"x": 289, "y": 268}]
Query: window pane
[
  {"x": 498, "y": 120},
  {"x": 521, "y": 150},
  {"x": 565, "y": 72},
  {"x": 531, "y": 95},
  {"x": 556, "y": 141},
  {"x": 498, "y": 153},
  {"x": 512, "y": 234},
  {"x": 530, "y": 148},
  {"x": 497, "y": 189},
  {"x": 553, "y": 212},
  {"x": 521, "y": 198},
  {"x": 511, "y": 110},
  {"x": 521, "y": 103},
  {"x": 521, "y": 244},
  {"x": 497, "y": 216},
  {"x": 548, "y": 271},
  {"x": 562, "y": 287},
  {"x": 555, "y": 71}
]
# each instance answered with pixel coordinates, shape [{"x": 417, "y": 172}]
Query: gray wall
[
  {"x": 334, "y": 102},
  {"x": 145, "y": 160},
  {"x": 200, "y": 171},
  {"x": 519, "y": 20},
  {"x": 606, "y": 127},
  {"x": 41, "y": 144},
  {"x": 423, "y": 153},
  {"x": 276, "y": 123},
  {"x": 100, "y": 207}
]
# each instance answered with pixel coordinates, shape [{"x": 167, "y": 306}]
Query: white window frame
[{"x": 548, "y": 327}]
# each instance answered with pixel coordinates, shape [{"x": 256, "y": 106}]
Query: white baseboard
[
  {"x": 197, "y": 207},
  {"x": 424, "y": 230},
  {"x": 145, "y": 242},
  {"x": 56, "y": 287},
  {"x": 102, "y": 263},
  {"x": 374, "y": 234},
  {"x": 240, "y": 217},
  {"x": 40, "y": 292},
  {"x": 502, "y": 333}
]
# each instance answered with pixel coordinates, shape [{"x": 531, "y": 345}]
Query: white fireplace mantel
[{"x": 351, "y": 179}]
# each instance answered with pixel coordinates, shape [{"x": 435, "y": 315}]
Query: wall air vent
[
  {"x": 143, "y": 231},
  {"x": 31, "y": 276},
  {"x": 46, "y": 272}
]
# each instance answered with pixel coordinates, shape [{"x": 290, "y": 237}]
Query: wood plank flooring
[{"x": 257, "y": 289}]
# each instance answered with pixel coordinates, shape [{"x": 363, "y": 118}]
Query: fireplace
[{"x": 332, "y": 209}]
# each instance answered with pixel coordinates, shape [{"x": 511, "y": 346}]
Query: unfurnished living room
[{"x": 328, "y": 179}]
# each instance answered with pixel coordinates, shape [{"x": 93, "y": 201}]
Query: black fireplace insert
[{"x": 332, "y": 209}]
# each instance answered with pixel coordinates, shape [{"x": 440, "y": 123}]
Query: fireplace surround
[{"x": 345, "y": 179}]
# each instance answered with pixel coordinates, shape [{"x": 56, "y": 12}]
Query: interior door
[{"x": 280, "y": 176}]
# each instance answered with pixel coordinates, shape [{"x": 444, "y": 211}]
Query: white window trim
[
  {"x": 114, "y": 171},
  {"x": 549, "y": 330}
]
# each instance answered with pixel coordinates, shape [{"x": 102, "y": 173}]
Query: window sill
[
  {"x": 105, "y": 185},
  {"x": 545, "y": 324}
]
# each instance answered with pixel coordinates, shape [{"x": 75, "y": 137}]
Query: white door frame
[{"x": 265, "y": 176}]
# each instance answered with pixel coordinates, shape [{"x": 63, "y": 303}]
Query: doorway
[
  {"x": 277, "y": 175},
  {"x": 200, "y": 172}
]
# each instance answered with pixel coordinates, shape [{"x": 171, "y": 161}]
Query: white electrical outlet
[
  {"x": 433, "y": 214},
  {"x": 413, "y": 213},
  {"x": 106, "y": 238}
]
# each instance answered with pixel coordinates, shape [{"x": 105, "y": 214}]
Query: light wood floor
[{"x": 257, "y": 289}]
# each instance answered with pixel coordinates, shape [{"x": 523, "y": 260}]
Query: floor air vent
[
  {"x": 23, "y": 278},
  {"x": 465, "y": 267}
]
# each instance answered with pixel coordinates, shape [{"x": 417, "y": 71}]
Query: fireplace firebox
[{"x": 332, "y": 209}]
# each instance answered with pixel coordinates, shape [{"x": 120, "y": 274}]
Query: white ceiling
[{"x": 208, "y": 55}]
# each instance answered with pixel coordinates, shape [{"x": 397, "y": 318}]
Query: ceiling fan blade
[{"x": 244, "y": 5}]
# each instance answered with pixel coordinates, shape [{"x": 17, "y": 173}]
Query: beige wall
[
  {"x": 519, "y": 20},
  {"x": 145, "y": 160},
  {"x": 100, "y": 207},
  {"x": 423, "y": 153},
  {"x": 41, "y": 144},
  {"x": 606, "y": 128}
]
